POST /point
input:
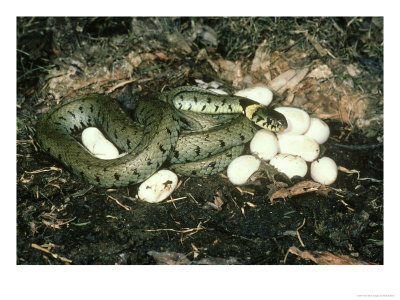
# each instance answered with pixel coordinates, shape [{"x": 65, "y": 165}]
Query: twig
[
  {"x": 298, "y": 233},
  {"x": 112, "y": 89},
  {"x": 35, "y": 246},
  {"x": 119, "y": 203}
]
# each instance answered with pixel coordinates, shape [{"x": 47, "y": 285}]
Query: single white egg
[
  {"x": 318, "y": 130},
  {"x": 259, "y": 94},
  {"x": 298, "y": 120},
  {"x": 300, "y": 145},
  {"x": 158, "y": 186},
  {"x": 291, "y": 165},
  {"x": 94, "y": 140},
  {"x": 324, "y": 170},
  {"x": 264, "y": 144},
  {"x": 241, "y": 168},
  {"x": 218, "y": 91}
]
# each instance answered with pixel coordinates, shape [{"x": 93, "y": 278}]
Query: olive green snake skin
[{"x": 158, "y": 133}]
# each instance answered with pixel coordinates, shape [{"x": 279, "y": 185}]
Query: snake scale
[{"x": 157, "y": 133}]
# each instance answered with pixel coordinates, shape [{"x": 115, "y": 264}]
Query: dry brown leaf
[
  {"x": 169, "y": 258},
  {"x": 161, "y": 55},
  {"x": 321, "y": 50},
  {"x": 148, "y": 56},
  {"x": 176, "y": 39},
  {"x": 320, "y": 72},
  {"x": 321, "y": 106},
  {"x": 217, "y": 261},
  {"x": 326, "y": 258},
  {"x": 298, "y": 189},
  {"x": 261, "y": 59},
  {"x": 134, "y": 59},
  {"x": 353, "y": 70},
  {"x": 288, "y": 80},
  {"x": 231, "y": 71}
]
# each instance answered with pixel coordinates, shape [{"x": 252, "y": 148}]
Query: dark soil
[{"x": 62, "y": 220}]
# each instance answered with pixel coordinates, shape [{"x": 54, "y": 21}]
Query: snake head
[{"x": 266, "y": 118}]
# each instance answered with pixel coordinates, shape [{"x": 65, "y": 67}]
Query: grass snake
[{"x": 194, "y": 143}]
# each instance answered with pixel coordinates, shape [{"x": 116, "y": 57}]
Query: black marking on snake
[
  {"x": 197, "y": 150},
  {"x": 230, "y": 107},
  {"x": 105, "y": 170},
  {"x": 212, "y": 164},
  {"x": 58, "y": 123},
  {"x": 222, "y": 143},
  {"x": 209, "y": 154},
  {"x": 242, "y": 137},
  {"x": 149, "y": 162},
  {"x": 180, "y": 105},
  {"x": 204, "y": 107},
  {"x": 62, "y": 118},
  {"x": 82, "y": 124},
  {"x": 162, "y": 149},
  {"x": 259, "y": 119},
  {"x": 194, "y": 172},
  {"x": 76, "y": 128},
  {"x": 176, "y": 154},
  {"x": 190, "y": 106},
  {"x": 72, "y": 114},
  {"x": 266, "y": 123},
  {"x": 80, "y": 109},
  {"x": 82, "y": 174},
  {"x": 135, "y": 172},
  {"x": 169, "y": 131},
  {"x": 91, "y": 108},
  {"x": 98, "y": 114},
  {"x": 244, "y": 102},
  {"x": 216, "y": 108},
  {"x": 181, "y": 96},
  {"x": 223, "y": 102},
  {"x": 128, "y": 143},
  {"x": 229, "y": 154},
  {"x": 115, "y": 134},
  {"x": 208, "y": 99},
  {"x": 98, "y": 179},
  {"x": 59, "y": 156},
  {"x": 158, "y": 165},
  {"x": 195, "y": 99}
]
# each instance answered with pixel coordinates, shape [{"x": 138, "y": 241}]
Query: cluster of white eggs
[{"x": 288, "y": 151}]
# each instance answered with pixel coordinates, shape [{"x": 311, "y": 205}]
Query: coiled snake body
[{"x": 155, "y": 134}]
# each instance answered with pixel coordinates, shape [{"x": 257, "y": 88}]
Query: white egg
[
  {"x": 258, "y": 93},
  {"x": 98, "y": 145},
  {"x": 324, "y": 170},
  {"x": 158, "y": 186},
  {"x": 241, "y": 168},
  {"x": 218, "y": 91},
  {"x": 298, "y": 120},
  {"x": 264, "y": 144},
  {"x": 300, "y": 145},
  {"x": 291, "y": 165},
  {"x": 318, "y": 130}
]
